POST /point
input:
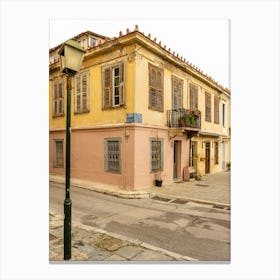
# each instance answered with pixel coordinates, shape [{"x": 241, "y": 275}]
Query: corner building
[{"x": 138, "y": 112}]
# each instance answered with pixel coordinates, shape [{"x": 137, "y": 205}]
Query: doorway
[
  {"x": 207, "y": 157},
  {"x": 176, "y": 160},
  {"x": 223, "y": 156}
]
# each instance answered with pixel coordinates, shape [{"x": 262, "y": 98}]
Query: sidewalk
[
  {"x": 211, "y": 189},
  {"x": 92, "y": 244}
]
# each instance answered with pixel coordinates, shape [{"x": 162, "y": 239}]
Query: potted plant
[
  {"x": 181, "y": 122},
  {"x": 190, "y": 119}
]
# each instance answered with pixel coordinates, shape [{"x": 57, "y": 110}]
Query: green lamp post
[{"x": 71, "y": 57}]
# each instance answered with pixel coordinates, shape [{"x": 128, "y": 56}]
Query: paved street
[{"x": 189, "y": 229}]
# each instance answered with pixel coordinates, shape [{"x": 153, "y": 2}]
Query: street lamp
[{"x": 71, "y": 57}]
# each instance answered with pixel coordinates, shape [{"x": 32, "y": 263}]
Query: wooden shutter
[
  {"x": 61, "y": 98},
  {"x": 84, "y": 94},
  {"x": 156, "y": 101},
  {"x": 159, "y": 105},
  {"x": 216, "y": 110},
  {"x": 107, "y": 88},
  {"x": 177, "y": 93},
  {"x": 121, "y": 87},
  {"x": 77, "y": 94},
  {"x": 193, "y": 97},
  {"x": 54, "y": 99},
  {"x": 207, "y": 106}
]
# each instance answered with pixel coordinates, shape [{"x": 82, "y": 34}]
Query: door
[
  {"x": 223, "y": 156},
  {"x": 207, "y": 157},
  {"x": 176, "y": 158}
]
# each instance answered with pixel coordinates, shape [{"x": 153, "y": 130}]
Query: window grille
[
  {"x": 58, "y": 153},
  {"x": 112, "y": 155}
]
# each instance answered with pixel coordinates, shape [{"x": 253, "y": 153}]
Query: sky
[{"x": 203, "y": 42}]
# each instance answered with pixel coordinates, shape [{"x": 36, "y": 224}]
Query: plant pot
[{"x": 158, "y": 183}]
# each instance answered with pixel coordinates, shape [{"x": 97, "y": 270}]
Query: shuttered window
[
  {"x": 113, "y": 86},
  {"x": 58, "y": 98},
  {"x": 193, "y": 97},
  {"x": 207, "y": 106},
  {"x": 156, "y": 88},
  {"x": 82, "y": 93},
  {"x": 177, "y": 93},
  {"x": 156, "y": 154},
  {"x": 58, "y": 153},
  {"x": 113, "y": 155},
  {"x": 216, "y": 110}
]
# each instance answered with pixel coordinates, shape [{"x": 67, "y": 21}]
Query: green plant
[{"x": 190, "y": 119}]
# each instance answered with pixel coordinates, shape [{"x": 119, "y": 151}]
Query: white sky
[{"x": 204, "y": 43}]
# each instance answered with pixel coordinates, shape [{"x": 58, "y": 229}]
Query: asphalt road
[{"x": 193, "y": 230}]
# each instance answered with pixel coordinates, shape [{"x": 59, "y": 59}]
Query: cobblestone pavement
[
  {"x": 89, "y": 244},
  {"x": 214, "y": 188}
]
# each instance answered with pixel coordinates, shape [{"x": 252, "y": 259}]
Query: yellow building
[{"x": 139, "y": 113}]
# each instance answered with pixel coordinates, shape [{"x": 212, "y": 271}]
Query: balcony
[{"x": 184, "y": 118}]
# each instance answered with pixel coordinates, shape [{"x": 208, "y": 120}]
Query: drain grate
[
  {"x": 52, "y": 237},
  {"x": 161, "y": 198},
  {"x": 201, "y": 185},
  {"x": 179, "y": 201}
]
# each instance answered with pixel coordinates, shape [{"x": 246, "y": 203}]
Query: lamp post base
[{"x": 67, "y": 228}]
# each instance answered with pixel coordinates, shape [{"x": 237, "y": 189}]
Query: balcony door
[{"x": 177, "y": 93}]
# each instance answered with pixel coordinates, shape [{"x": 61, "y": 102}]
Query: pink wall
[{"x": 87, "y": 155}]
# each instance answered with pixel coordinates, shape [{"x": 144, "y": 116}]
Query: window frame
[
  {"x": 109, "y": 87},
  {"x": 55, "y": 163},
  {"x": 161, "y": 167},
  {"x": 156, "y": 88},
  {"x": 106, "y": 155},
  {"x": 81, "y": 93},
  {"x": 58, "y": 101}
]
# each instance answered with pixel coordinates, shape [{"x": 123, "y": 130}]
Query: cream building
[{"x": 139, "y": 113}]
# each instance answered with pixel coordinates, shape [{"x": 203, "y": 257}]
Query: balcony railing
[{"x": 183, "y": 118}]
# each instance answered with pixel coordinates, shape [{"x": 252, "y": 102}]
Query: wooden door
[{"x": 207, "y": 157}]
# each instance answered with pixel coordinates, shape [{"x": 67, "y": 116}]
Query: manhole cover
[
  {"x": 161, "y": 198},
  {"x": 201, "y": 185},
  {"x": 179, "y": 201},
  {"x": 52, "y": 237}
]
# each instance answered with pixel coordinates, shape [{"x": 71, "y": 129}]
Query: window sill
[
  {"x": 58, "y": 115},
  {"x": 115, "y": 107},
  {"x": 154, "y": 109},
  {"x": 113, "y": 172},
  {"x": 81, "y": 112}
]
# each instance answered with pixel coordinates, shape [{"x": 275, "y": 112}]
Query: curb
[
  {"x": 88, "y": 186},
  {"x": 136, "y": 242},
  {"x": 131, "y": 194},
  {"x": 224, "y": 205}
]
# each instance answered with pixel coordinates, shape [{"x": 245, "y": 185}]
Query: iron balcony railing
[{"x": 183, "y": 118}]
